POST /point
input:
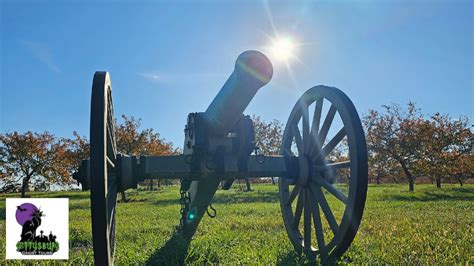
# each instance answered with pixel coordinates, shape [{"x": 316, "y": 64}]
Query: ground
[{"x": 429, "y": 226}]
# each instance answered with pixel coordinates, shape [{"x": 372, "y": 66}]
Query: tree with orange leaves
[
  {"x": 37, "y": 159},
  {"x": 394, "y": 135},
  {"x": 446, "y": 148},
  {"x": 78, "y": 150},
  {"x": 132, "y": 141}
]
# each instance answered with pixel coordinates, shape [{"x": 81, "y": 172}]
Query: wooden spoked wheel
[
  {"x": 322, "y": 204},
  {"x": 103, "y": 156}
]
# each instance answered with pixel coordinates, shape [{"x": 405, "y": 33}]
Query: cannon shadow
[
  {"x": 289, "y": 258},
  {"x": 174, "y": 251}
]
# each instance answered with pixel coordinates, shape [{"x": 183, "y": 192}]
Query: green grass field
[{"x": 430, "y": 226}]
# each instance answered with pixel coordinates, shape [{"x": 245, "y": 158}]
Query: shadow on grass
[
  {"x": 2, "y": 214},
  {"x": 72, "y": 197},
  {"x": 77, "y": 207},
  {"x": 288, "y": 258},
  {"x": 293, "y": 258},
  {"x": 453, "y": 194},
  {"x": 174, "y": 251},
  {"x": 464, "y": 189},
  {"x": 222, "y": 198}
]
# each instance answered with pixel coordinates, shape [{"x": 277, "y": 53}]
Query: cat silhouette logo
[{"x": 37, "y": 228}]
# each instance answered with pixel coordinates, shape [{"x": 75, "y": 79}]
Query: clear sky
[{"x": 167, "y": 59}]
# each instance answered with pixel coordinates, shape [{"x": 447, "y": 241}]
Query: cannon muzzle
[{"x": 252, "y": 70}]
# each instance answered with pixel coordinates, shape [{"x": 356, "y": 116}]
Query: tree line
[
  {"x": 403, "y": 145},
  {"x": 41, "y": 161}
]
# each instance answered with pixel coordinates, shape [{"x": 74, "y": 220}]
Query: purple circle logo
[{"x": 25, "y": 212}]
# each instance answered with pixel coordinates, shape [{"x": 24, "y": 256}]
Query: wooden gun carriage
[{"x": 219, "y": 146}]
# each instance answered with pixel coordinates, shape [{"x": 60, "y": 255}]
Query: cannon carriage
[{"x": 219, "y": 146}]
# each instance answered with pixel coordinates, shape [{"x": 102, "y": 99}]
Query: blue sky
[{"x": 167, "y": 59}]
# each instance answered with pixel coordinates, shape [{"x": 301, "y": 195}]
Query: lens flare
[{"x": 283, "y": 49}]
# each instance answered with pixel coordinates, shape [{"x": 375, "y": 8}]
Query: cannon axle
[{"x": 132, "y": 170}]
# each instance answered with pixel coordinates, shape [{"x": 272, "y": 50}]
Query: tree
[
  {"x": 378, "y": 158},
  {"x": 268, "y": 137},
  {"x": 340, "y": 153},
  {"x": 463, "y": 168},
  {"x": 395, "y": 134},
  {"x": 131, "y": 141},
  {"x": 78, "y": 150},
  {"x": 461, "y": 153},
  {"x": 378, "y": 166},
  {"x": 37, "y": 158},
  {"x": 446, "y": 148}
]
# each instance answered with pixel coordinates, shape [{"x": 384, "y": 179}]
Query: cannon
[{"x": 219, "y": 147}]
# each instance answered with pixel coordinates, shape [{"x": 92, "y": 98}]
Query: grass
[{"x": 429, "y": 226}]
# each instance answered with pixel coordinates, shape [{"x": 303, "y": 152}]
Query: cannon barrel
[{"x": 252, "y": 70}]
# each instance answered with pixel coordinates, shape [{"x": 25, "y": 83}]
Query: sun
[{"x": 283, "y": 49}]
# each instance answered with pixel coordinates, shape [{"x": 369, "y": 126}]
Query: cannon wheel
[
  {"x": 313, "y": 197},
  {"x": 103, "y": 156}
]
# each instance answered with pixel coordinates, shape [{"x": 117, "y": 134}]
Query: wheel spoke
[
  {"x": 114, "y": 143},
  {"x": 287, "y": 151},
  {"x": 307, "y": 221},
  {"x": 339, "y": 165},
  {"x": 327, "y": 124},
  {"x": 315, "y": 126},
  {"x": 109, "y": 161},
  {"x": 318, "y": 227},
  {"x": 110, "y": 122},
  {"x": 305, "y": 117},
  {"x": 332, "y": 166},
  {"x": 112, "y": 234},
  {"x": 317, "y": 116},
  {"x": 333, "y": 143},
  {"x": 298, "y": 210},
  {"x": 319, "y": 195},
  {"x": 329, "y": 187},
  {"x": 293, "y": 195},
  {"x": 110, "y": 142},
  {"x": 111, "y": 199},
  {"x": 298, "y": 140},
  {"x": 111, "y": 145}
]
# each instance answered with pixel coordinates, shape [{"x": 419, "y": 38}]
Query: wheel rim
[
  {"x": 102, "y": 169},
  {"x": 306, "y": 206}
]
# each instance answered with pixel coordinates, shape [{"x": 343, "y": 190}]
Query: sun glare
[{"x": 283, "y": 49}]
